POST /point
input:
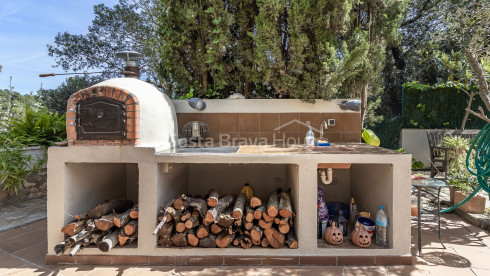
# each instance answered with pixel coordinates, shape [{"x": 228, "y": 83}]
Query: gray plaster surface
[{"x": 17, "y": 214}]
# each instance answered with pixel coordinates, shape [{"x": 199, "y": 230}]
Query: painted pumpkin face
[
  {"x": 333, "y": 235},
  {"x": 361, "y": 238}
]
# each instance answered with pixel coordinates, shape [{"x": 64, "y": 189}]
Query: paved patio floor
[{"x": 467, "y": 252}]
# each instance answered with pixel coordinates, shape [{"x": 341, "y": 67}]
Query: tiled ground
[{"x": 467, "y": 252}]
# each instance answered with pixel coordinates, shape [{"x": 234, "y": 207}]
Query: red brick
[
  {"x": 132, "y": 122},
  {"x": 318, "y": 260},
  {"x": 93, "y": 142},
  {"x": 355, "y": 260},
  {"x": 123, "y": 96},
  {"x": 71, "y": 129},
  {"x": 132, "y": 100},
  {"x": 132, "y": 114},
  {"x": 94, "y": 259},
  {"x": 243, "y": 260},
  {"x": 71, "y": 136},
  {"x": 116, "y": 93},
  {"x": 204, "y": 260},
  {"x": 85, "y": 93},
  {"x": 132, "y": 135},
  {"x": 286, "y": 260},
  {"x": 129, "y": 260},
  {"x": 167, "y": 260},
  {"x": 71, "y": 143},
  {"x": 101, "y": 90},
  {"x": 54, "y": 260}
]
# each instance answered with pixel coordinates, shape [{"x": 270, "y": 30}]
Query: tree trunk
[
  {"x": 275, "y": 238},
  {"x": 364, "y": 98},
  {"x": 285, "y": 209},
  {"x": 109, "y": 242},
  {"x": 467, "y": 110},
  {"x": 74, "y": 227},
  {"x": 213, "y": 198},
  {"x": 116, "y": 205},
  {"x": 239, "y": 205},
  {"x": 272, "y": 205},
  {"x": 482, "y": 80}
]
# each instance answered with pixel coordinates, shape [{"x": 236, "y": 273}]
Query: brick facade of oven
[{"x": 132, "y": 114}]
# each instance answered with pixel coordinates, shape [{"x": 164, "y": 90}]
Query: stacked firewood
[
  {"x": 214, "y": 221},
  {"x": 105, "y": 226}
]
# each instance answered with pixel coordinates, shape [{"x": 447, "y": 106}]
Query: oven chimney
[{"x": 131, "y": 70}]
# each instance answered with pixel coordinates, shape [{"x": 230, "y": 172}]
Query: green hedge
[{"x": 427, "y": 106}]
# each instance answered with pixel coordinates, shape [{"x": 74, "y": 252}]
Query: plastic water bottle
[
  {"x": 310, "y": 138},
  {"x": 381, "y": 226}
]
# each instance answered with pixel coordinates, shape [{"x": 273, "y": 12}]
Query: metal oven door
[{"x": 101, "y": 119}]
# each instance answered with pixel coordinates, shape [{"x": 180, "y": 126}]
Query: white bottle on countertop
[{"x": 310, "y": 138}]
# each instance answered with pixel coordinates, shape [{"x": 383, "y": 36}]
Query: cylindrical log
[
  {"x": 165, "y": 241},
  {"x": 109, "y": 242},
  {"x": 256, "y": 233},
  {"x": 245, "y": 242},
  {"x": 275, "y": 238},
  {"x": 198, "y": 203},
  {"x": 116, "y": 205},
  {"x": 105, "y": 222},
  {"x": 79, "y": 236},
  {"x": 264, "y": 242},
  {"x": 90, "y": 225},
  {"x": 192, "y": 238},
  {"x": 122, "y": 219},
  {"x": 97, "y": 236},
  {"x": 213, "y": 197},
  {"x": 60, "y": 248},
  {"x": 224, "y": 239},
  {"x": 179, "y": 239},
  {"x": 283, "y": 228},
  {"x": 76, "y": 248},
  {"x": 285, "y": 208},
  {"x": 122, "y": 238},
  {"x": 223, "y": 203},
  {"x": 202, "y": 231},
  {"x": 248, "y": 225},
  {"x": 255, "y": 242},
  {"x": 239, "y": 205},
  {"x": 249, "y": 214},
  {"x": 74, "y": 227},
  {"x": 264, "y": 224},
  {"x": 185, "y": 215},
  {"x": 225, "y": 219},
  {"x": 267, "y": 218},
  {"x": 208, "y": 242},
  {"x": 216, "y": 229},
  {"x": 131, "y": 227},
  {"x": 180, "y": 227},
  {"x": 258, "y": 212},
  {"x": 255, "y": 202},
  {"x": 272, "y": 205},
  {"x": 134, "y": 213},
  {"x": 193, "y": 221},
  {"x": 291, "y": 240},
  {"x": 166, "y": 229}
]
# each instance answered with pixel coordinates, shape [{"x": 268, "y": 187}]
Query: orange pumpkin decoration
[
  {"x": 333, "y": 235},
  {"x": 361, "y": 237}
]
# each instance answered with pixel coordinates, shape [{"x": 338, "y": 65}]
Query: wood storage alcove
[
  {"x": 216, "y": 214},
  {"x": 92, "y": 187}
]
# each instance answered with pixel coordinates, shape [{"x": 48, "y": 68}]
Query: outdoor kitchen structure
[{"x": 126, "y": 142}]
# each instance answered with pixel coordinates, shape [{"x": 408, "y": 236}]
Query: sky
[{"x": 26, "y": 27}]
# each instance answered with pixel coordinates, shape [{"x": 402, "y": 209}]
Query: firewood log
[
  {"x": 249, "y": 214},
  {"x": 60, "y": 248},
  {"x": 283, "y": 228},
  {"x": 213, "y": 197},
  {"x": 165, "y": 241},
  {"x": 97, "y": 237},
  {"x": 116, "y": 205},
  {"x": 236, "y": 241},
  {"x": 122, "y": 238},
  {"x": 272, "y": 205},
  {"x": 245, "y": 242},
  {"x": 264, "y": 242},
  {"x": 131, "y": 227},
  {"x": 193, "y": 221},
  {"x": 267, "y": 218},
  {"x": 74, "y": 227},
  {"x": 291, "y": 240},
  {"x": 255, "y": 242},
  {"x": 223, "y": 203},
  {"x": 216, "y": 229},
  {"x": 185, "y": 215},
  {"x": 81, "y": 216},
  {"x": 225, "y": 219},
  {"x": 192, "y": 239},
  {"x": 265, "y": 225},
  {"x": 79, "y": 236},
  {"x": 166, "y": 229},
  {"x": 109, "y": 242},
  {"x": 105, "y": 222},
  {"x": 180, "y": 227},
  {"x": 275, "y": 238},
  {"x": 285, "y": 208},
  {"x": 90, "y": 225},
  {"x": 179, "y": 203},
  {"x": 179, "y": 239},
  {"x": 164, "y": 216},
  {"x": 134, "y": 212},
  {"x": 123, "y": 218},
  {"x": 255, "y": 202},
  {"x": 224, "y": 239},
  {"x": 248, "y": 225},
  {"x": 208, "y": 242},
  {"x": 258, "y": 212},
  {"x": 132, "y": 238},
  {"x": 277, "y": 220},
  {"x": 256, "y": 233},
  {"x": 202, "y": 231},
  {"x": 76, "y": 248},
  {"x": 239, "y": 206},
  {"x": 176, "y": 213},
  {"x": 198, "y": 203}
]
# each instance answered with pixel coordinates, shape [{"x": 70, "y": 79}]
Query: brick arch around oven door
[{"x": 113, "y": 110}]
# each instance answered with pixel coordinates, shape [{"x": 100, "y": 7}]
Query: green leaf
[
  {"x": 209, "y": 60},
  {"x": 209, "y": 10}
]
